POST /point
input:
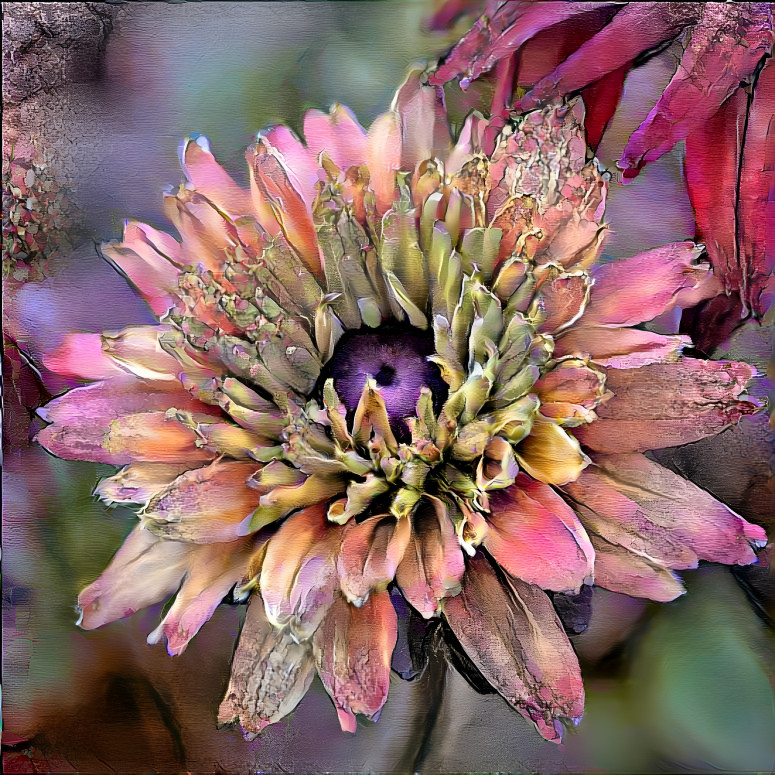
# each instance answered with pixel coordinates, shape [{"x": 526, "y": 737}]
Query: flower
[
  {"x": 720, "y": 101},
  {"x": 393, "y": 365}
]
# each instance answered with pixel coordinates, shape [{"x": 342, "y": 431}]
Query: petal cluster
[{"x": 252, "y": 474}]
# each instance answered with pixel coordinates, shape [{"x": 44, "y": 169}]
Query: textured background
[{"x": 103, "y": 93}]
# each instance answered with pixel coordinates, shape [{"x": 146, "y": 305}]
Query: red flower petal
[{"x": 511, "y": 632}]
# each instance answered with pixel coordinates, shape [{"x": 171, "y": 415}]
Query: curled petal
[
  {"x": 353, "y": 648},
  {"x": 511, "y": 632},
  {"x": 637, "y": 289},
  {"x": 663, "y": 405},
  {"x": 145, "y": 569},
  {"x": 270, "y": 674},
  {"x": 432, "y": 565},
  {"x": 371, "y": 551},
  {"x": 549, "y": 454},
  {"x": 212, "y": 571},
  {"x": 299, "y": 576},
  {"x": 535, "y": 536},
  {"x": 207, "y": 504}
]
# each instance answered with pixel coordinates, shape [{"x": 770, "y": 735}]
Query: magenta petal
[
  {"x": 82, "y": 356},
  {"x": 145, "y": 569},
  {"x": 511, "y": 632},
  {"x": 636, "y": 28},
  {"x": 725, "y": 49},
  {"x": 353, "y": 649}
]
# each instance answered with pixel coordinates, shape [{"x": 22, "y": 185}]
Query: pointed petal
[
  {"x": 138, "y": 482},
  {"x": 353, "y": 648},
  {"x": 383, "y": 155},
  {"x": 338, "y": 133},
  {"x": 725, "y": 49},
  {"x": 432, "y": 566},
  {"x": 562, "y": 301},
  {"x": 636, "y": 28},
  {"x": 693, "y": 516},
  {"x": 212, "y": 571},
  {"x": 662, "y": 405},
  {"x": 270, "y": 674},
  {"x": 207, "y": 504},
  {"x": 549, "y": 454},
  {"x": 371, "y": 551},
  {"x": 631, "y": 574},
  {"x": 145, "y": 569},
  {"x": 536, "y": 537},
  {"x": 81, "y": 356},
  {"x": 620, "y": 348},
  {"x": 637, "y": 289},
  {"x": 300, "y": 162},
  {"x": 299, "y": 577},
  {"x": 511, "y": 632}
]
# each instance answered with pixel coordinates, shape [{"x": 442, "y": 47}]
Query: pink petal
[
  {"x": 725, "y": 49},
  {"x": 536, "y": 537},
  {"x": 383, "y": 156},
  {"x": 619, "y": 348},
  {"x": 270, "y": 674},
  {"x": 299, "y": 576},
  {"x": 432, "y": 566},
  {"x": 511, "y": 632},
  {"x": 145, "y": 570},
  {"x": 639, "y": 288},
  {"x": 630, "y": 574},
  {"x": 82, "y": 356},
  {"x": 601, "y": 100},
  {"x": 371, "y": 551},
  {"x": 207, "y": 504},
  {"x": 210, "y": 179},
  {"x": 213, "y": 570},
  {"x": 693, "y": 516},
  {"x": 339, "y": 134},
  {"x": 562, "y": 301},
  {"x": 638, "y": 27},
  {"x": 300, "y": 162},
  {"x": 353, "y": 648},
  {"x": 496, "y": 36},
  {"x": 663, "y": 405},
  {"x": 138, "y": 482}
]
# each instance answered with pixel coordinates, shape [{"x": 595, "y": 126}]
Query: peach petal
[
  {"x": 562, "y": 301},
  {"x": 138, "y": 482},
  {"x": 637, "y": 289},
  {"x": 536, "y": 537},
  {"x": 432, "y": 565},
  {"x": 353, "y": 648},
  {"x": 300, "y": 162},
  {"x": 145, "y": 569},
  {"x": 207, "y": 504},
  {"x": 549, "y": 454},
  {"x": 571, "y": 382},
  {"x": 511, "y": 632},
  {"x": 299, "y": 576},
  {"x": 663, "y": 405}
]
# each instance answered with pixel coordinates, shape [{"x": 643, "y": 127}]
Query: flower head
[{"x": 393, "y": 365}]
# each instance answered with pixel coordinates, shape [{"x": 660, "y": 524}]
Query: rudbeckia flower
[
  {"x": 393, "y": 367},
  {"x": 720, "y": 101}
]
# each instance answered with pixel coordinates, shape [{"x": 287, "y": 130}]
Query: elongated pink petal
[
  {"x": 725, "y": 48},
  {"x": 620, "y": 570},
  {"x": 383, "y": 155},
  {"x": 620, "y": 348},
  {"x": 371, "y": 551},
  {"x": 535, "y": 536},
  {"x": 511, "y": 632},
  {"x": 693, "y": 516},
  {"x": 432, "y": 566},
  {"x": 662, "y": 405},
  {"x": 353, "y": 648},
  {"x": 212, "y": 571},
  {"x": 636, "y": 289},
  {"x": 494, "y": 37},
  {"x": 270, "y": 674},
  {"x": 145, "y": 569},
  {"x": 136, "y": 350},
  {"x": 300, "y": 162},
  {"x": 138, "y": 482},
  {"x": 338, "y": 133},
  {"x": 207, "y": 504},
  {"x": 756, "y": 216},
  {"x": 82, "y": 356},
  {"x": 299, "y": 576},
  {"x": 636, "y": 28},
  {"x": 210, "y": 179}
]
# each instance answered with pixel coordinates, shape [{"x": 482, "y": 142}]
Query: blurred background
[{"x": 685, "y": 686}]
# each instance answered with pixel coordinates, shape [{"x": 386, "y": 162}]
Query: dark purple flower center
[{"x": 396, "y": 357}]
